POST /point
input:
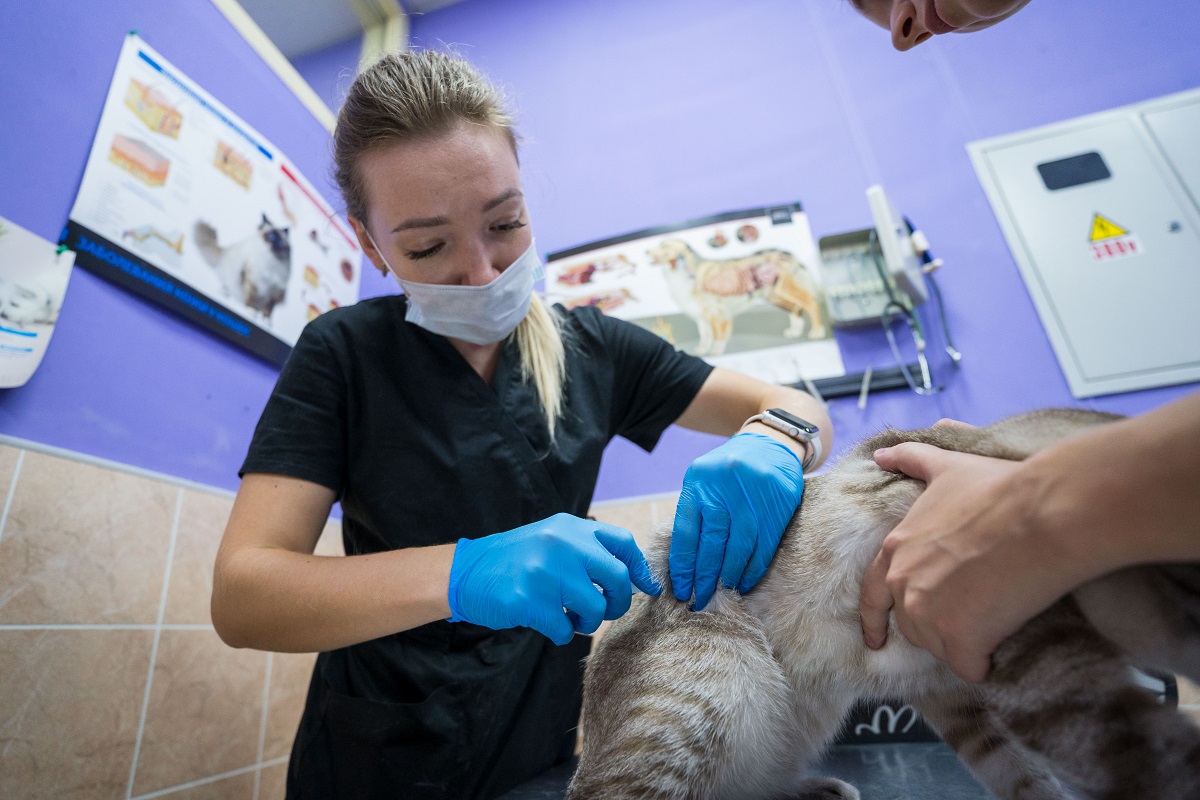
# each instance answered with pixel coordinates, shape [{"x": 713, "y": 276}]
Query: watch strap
[{"x": 812, "y": 444}]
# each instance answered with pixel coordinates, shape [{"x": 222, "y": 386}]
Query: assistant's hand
[
  {"x": 964, "y": 569},
  {"x": 735, "y": 503},
  {"x": 541, "y": 576}
]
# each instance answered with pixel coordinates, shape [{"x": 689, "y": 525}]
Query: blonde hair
[{"x": 421, "y": 95}]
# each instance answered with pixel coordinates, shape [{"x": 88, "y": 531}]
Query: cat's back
[
  {"x": 691, "y": 709},
  {"x": 809, "y": 600}
]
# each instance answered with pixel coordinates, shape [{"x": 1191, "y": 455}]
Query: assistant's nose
[{"x": 907, "y": 30}]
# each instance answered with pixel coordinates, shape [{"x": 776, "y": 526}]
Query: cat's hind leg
[
  {"x": 994, "y": 755},
  {"x": 1152, "y": 612},
  {"x": 1068, "y": 694}
]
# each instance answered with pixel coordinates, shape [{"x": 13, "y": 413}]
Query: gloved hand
[
  {"x": 529, "y": 575},
  {"x": 735, "y": 503}
]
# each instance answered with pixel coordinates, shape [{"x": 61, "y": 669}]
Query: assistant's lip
[{"x": 933, "y": 20}]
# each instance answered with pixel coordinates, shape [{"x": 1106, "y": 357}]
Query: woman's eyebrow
[
  {"x": 506, "y": 195},
  {"x": 421, "y": 222},
  {"x": 433, "y": 222}
]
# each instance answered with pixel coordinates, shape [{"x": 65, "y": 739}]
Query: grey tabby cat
[{"x": 735, "y": 701}]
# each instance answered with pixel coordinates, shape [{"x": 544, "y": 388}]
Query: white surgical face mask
[{"x": 478, "y": 314}]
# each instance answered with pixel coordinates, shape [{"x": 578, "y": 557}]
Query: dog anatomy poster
[
  {"x": 185, "y": 204},
  {"x": 33, "y": 280},
  {"x": 741, "y": 290}
]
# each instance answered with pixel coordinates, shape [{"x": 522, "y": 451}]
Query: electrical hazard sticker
[{"x": 1109, "y": 240}]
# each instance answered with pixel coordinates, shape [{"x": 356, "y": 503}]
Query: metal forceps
[{"x": 890, "y": 311}]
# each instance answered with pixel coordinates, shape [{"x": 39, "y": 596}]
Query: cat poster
[
  {"x": 33, "y": 280},
  {"x": 185, "y": 204},
  {"x": 741, "y": 290}
]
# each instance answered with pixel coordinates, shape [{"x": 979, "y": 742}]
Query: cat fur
[{"x": 738, "y": 700}]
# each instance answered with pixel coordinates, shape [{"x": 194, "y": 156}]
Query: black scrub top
[{"x": 421, "y": 451}]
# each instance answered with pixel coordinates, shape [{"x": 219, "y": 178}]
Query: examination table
[
  {"x": 885, "y": 749},
  {"x": 891, "y": 771}
]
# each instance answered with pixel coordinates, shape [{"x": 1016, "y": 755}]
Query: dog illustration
[
  {"x": 606, "y": 301},
  {"x": 584, "y": 273},
  {"x": 713, "y": 292}
]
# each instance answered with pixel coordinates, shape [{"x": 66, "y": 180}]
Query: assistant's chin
[{"x": 990, "y": 12}]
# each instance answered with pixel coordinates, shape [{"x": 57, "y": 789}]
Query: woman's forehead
[{"x": 470, "y": 161}]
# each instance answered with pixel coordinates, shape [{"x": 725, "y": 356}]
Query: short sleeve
[
  {"x": 653, "y": 382},
  {"x": 302, "y": 430}
]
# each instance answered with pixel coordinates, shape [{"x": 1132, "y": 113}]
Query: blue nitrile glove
[
  {"x": 541, "y": 576},
  {"x": 735, "y": 503}
]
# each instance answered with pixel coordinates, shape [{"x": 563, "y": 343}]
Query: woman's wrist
[{"x": 802, "y": 450}]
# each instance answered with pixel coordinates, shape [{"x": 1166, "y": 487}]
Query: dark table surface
[{"x": 894, "y": 771}]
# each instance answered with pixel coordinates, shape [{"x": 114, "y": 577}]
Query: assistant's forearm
[
  {"x": 1125, "y": 493},
  {"x": 280, "y": 600}
]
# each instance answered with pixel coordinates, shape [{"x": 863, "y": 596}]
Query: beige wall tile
[
  {"x": 636, "y": 517},
  {"x": 69, "y": 711},
  {"x": 205, "y": 710},
  {"x": 237, "y": 787},
  {"x": 84, "y": 544},
  {"x": 272, "y": 784},
  {"x": 664, "y": 510},
  {"x": 1189, "y": 693},
  {"x": 8, "y": 465},
  {"x": 330, "y": 543},
  {"x": 290, "y": 674},
  {"x": 202, "y": 519}
]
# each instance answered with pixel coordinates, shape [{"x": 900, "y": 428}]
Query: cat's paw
[{"x": 825, "y": 789}]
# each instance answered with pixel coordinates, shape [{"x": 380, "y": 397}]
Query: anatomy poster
[
  {"x": 741, "y": 290},
  {"x": 33, "y": 280},
  {"x": 184, "y": 203}
]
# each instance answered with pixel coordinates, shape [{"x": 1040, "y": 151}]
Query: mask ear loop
[{"x": 371, "y": 239}]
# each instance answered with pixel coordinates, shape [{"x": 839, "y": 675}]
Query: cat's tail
[{"x": 205, "y": 237}]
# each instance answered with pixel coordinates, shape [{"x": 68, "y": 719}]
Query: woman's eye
[
  {"x": 426, "y": 253},
  {"x": 511, "y": 226}
]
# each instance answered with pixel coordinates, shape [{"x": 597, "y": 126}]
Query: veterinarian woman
[
  {"x": 991, "y": 543},
  {"x": 461, "y": 426}
]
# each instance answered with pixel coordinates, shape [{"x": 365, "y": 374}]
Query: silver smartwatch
[{"x": 799, "y": 429}]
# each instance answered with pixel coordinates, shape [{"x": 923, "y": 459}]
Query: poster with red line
[{"x": 186, "y": 205}]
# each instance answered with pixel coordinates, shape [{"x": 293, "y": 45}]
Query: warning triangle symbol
[{"x": 1104, "y": 229}]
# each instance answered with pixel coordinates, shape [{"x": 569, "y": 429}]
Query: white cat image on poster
[{"x": 254, "y": 271}]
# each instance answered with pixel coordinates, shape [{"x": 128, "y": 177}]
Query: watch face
[{"x": 791, "y": 419}]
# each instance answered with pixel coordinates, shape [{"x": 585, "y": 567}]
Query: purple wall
[
  {"x": 634, "y": 114},
  {"x": 331, "y": 70},
  {"x": 122, "y": 379}
]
